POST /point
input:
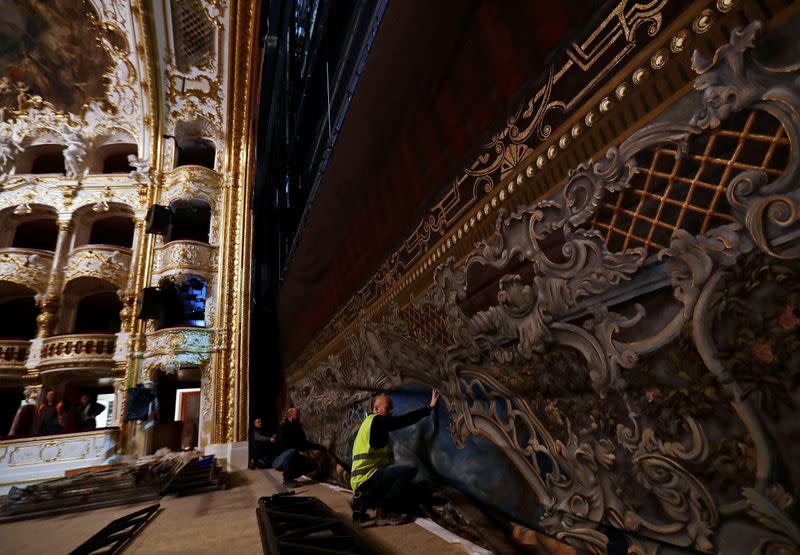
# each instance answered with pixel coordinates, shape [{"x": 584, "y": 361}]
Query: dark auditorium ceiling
[{"x": 441, "y": 77}]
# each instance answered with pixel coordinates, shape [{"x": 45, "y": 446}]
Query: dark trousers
[
  {"x": 389, "y": 489},
  {"x": 294, "y": 464}
]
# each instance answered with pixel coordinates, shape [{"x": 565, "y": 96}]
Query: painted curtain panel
[{"x": 620, "y": 360}]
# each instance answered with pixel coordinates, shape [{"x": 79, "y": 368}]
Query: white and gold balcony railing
[
  {"x": 178, "y": 347},
  {"x": 106, "y": 262},
  {"x": 192, "y": 176},
  {"x": 13, "y": 355},
  {"x": 184, "y": 257},
  {"x": 78, "y": 351},
  {"x": 28, "y": 267},
  {"x": 32, "y": 459}
]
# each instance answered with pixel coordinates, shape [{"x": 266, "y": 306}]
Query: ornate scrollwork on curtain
[{"x": 564, "y": 262}]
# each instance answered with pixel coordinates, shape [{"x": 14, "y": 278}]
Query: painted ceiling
[{"x": 53, "y": 50}]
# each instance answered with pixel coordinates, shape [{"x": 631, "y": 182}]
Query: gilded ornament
[
  {"x": 659, "y": 59},
  {"x": 703, "y": 22},
  {"x": 725, "y": 5},
  {"x": 679, "y": 41}
]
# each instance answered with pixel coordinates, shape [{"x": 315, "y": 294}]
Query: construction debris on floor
[
  {"x": 113, "y": 537},
  {"x": 148, "y": 478},
  {"x": 299, "y": 525}
]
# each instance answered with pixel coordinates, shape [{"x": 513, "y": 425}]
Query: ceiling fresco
[{"x": 52, "y": 50}]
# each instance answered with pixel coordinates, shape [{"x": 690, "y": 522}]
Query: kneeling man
[{"x": 375, "y": 479}]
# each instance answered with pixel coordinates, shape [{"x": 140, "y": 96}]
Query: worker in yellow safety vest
[{"x": 376, "y": 481}]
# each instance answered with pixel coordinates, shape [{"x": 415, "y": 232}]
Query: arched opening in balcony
[
  {"x": 113, "y": 158},
  {"x": 183, "y": 300},
  {"x": 191, "y": 220},
  {"x": 41, "y": 159},
  {"x": 39, "y": 233},
  {"x": 197, "y": 152},
  {"x": 179, "y": 409},
  {"x": 18, "y": 312},
  {"x": 79, "y": 390},
  {"x": 112, "y": 230},
  {"x": 97, "y": 313},
  {"x": 193, "y": 145},
  {"x": 90, "y": 305},
  {"x": 113, "y": 225}
]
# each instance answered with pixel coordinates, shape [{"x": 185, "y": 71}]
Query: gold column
[
  {"x": 128, "y": 296},
  {"x": 51, "y": 300},
  {"x": 229, "y": 362}
]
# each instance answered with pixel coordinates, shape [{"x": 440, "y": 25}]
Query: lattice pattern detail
[
  {"x": 427, "y": 324},
  {"x": 193, "y": 34},
  {"x": 669, "y": 193},
  {"x": 348, "y": 361}
]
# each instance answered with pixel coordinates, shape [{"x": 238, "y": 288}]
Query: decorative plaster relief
[
  {"x": 56, "y": 449},
  {"x": 107, "y": 263},
  {"x": 184, "y": 257},
  {"x": 170, "y": 349},
  {"x": 28, "y": 267}
]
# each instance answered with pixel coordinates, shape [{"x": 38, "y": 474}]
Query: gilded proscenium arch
[{"x": 230, "y": 364}]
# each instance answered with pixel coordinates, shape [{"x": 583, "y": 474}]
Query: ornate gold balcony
[
  {"x": 172, "y": 348},
  {"x": 193, "y": 174},
  {"x": 185, "y": 257},
  {"x": 104, "y": 262},
  {"x": 78, "y": 351},
  {"x": 28, "y": 267},
  {"x": 13, "y": 355}
]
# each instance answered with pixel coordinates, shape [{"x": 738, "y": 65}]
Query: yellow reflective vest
[{"x": 367, "y": 460}]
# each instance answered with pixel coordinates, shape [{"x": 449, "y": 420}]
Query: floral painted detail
[
  {"x": 788, "y": 320},
  {"x": 763, "y": 352}
]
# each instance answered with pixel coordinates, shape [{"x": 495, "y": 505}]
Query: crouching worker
[
  {"x": 376, "y": 481},
  {"x": 264, "y": 449},
  {"x": 291, "y": 442}
]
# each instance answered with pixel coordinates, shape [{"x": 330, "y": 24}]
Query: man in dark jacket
[
  {"x": 87, "y": 413},
  {"x": 291, "y": 441},
  {"x": 264, "y": 448}
]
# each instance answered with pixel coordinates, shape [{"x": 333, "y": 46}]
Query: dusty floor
[{"x": 215, "y": 522}]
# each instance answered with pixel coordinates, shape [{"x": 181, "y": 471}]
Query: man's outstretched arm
[{"x": 382, "y": 425}]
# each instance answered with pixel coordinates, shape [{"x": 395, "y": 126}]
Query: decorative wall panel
[{"x": 621, "y": 385}]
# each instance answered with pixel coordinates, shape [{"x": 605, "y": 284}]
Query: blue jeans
[{"x": 390, "y": 489}]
